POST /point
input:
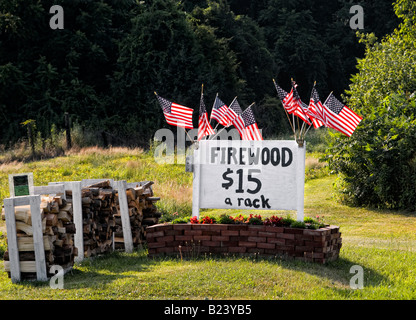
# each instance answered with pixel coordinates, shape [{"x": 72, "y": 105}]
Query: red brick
[
  {"x": 183, "y": 238},
  {"x": 180, "y": 226},
  {"x": 237, "y": 249},
  {"x": 266, "y": 234},
  {"x": 310, "y": 232},
  {"x": 249, "y": 233},
  {"x": 229, "y": 233},
  {"x": 211, "y": 232},
  {"x": 304, "y": 248},
  {"x": 257, "y": 239},
  {"x": 201, "y": 238},
  {"x": 274, "y": 229},
  {"x": 304, "y": 237},
  {"x": 155, "y": 234},
  {"x": 209, "y": 243},
  {"x": 293, "y": 230},
  {"x": 315, "y": 243},
  {"x": 172, "y": 232},
  {"x": 266, "y": 245},
  {"x": 237, "y": 227},
  {"x": 247, "y": 244},
  {"x": 290, "y": 236},
  {"x": 165, "y": 250},
  {"x": 255, "y": 250},
  {"x": 192, "y": 232},
  {"x": 218, "y": 249},
  {"x": 155, "y": 245},
  {"x": 251, "y": 227},
  {"x": 220, "y": 238},
  {"x": 275, "y": 240},
  {"x": 323, "y": 231},
  {"x": 335, "y": 235},
  {"x": 285, "y": 248},
  {"x": 318, "y": 238},
  {"x": 159, "y": 227},
  {"x": 209, "y": 227},
  {"x": 229, "y": 243},
  {"x": 165, "y": 239}
]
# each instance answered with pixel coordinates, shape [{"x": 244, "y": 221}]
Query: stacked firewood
[
  {"x": 142, "y": 213},
  {"x": 98, "y": 211},
  {"x": 102, "y": 226},
  {"x": 58, "y": 230}
]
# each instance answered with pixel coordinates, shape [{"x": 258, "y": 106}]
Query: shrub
[
  {"x": 377, "y": 164},
  {"x": 181, "y": 220},
  {"x": 226, "y": 219},
  {"x": 273, "y": 221},
  {"x": 298, "y": 224},
  {"x": 254, "y": 219},
  {"x": 207, "y": 220}
]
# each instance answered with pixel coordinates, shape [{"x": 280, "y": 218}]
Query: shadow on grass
[
  {"x": 335, "y": 271},
  {"x": 94, "y": 273}
]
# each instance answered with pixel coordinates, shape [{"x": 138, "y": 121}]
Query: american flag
[
  {"x": 340, "y": 117},
  {"x": 218, "y": 112},
  {"x": 299, "y": 107},
  {"x": 251, "y": 131},
  {"x": 175, "y": 114},
  {"x": 315, "y": 110},
  {"x": 233, "y": 115},
  {"x": 286, "y": 98},
  {"x": 233, "y": 111},
  {"x": 204, "y": 128}
]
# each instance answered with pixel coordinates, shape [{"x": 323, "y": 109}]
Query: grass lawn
[{"x": 383, "y": 243}]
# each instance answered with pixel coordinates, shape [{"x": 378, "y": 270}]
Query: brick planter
[{"x": 191, "y": 240}]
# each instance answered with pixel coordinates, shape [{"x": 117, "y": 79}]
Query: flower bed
[{"x": 193, "y": 239}]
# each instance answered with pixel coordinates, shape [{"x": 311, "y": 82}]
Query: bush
[
  {"x": 181, "y": 220},
  {"x": 225, "y": 219},
  {"x": 377, "y": 164}
]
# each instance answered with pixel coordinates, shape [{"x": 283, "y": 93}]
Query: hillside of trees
[{"x": 104, "y": 66}]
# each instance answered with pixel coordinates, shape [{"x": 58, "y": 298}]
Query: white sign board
[{"x": 262, "y": 175}]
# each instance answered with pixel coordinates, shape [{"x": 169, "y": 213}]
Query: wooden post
[
  {"x": 300, "y": 181},
  {"x": 77, "y": 212},
  {"x": 121, "y": 187},
  {"x": 34, "y": 202},
  {"x": 196, "y": 184},
  {"x": 75, "y": 187},
  {"x": 12, "y": 240},
  {"x": 68, "y": 131},
  {"x": 49, "y": 189}
]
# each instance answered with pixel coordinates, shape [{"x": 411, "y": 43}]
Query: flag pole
[
  {"x": 306, "y": 130},
  {"x": 211, "y": 113},
  {"x": 287, "y": 115},
  {"x": 293, "y": 115},
  {"x": 328, "y": 97},
  {"x": 202, "y": 94}
]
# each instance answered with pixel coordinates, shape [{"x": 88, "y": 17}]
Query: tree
[
  {"x": 169, "y": 52},
  {"x": 378, "y": 163}
]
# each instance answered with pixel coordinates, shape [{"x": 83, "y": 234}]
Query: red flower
[
  {"x": 207, "y": 220},
  {"x": 194, "y": 220}
]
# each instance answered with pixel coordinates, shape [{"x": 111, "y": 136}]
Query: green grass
[{"x": 383, "y": 243}]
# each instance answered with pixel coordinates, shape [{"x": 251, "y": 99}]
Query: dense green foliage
[
  {"x": 378, "y": 162},
  {"x": 104, "y": 65}
]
